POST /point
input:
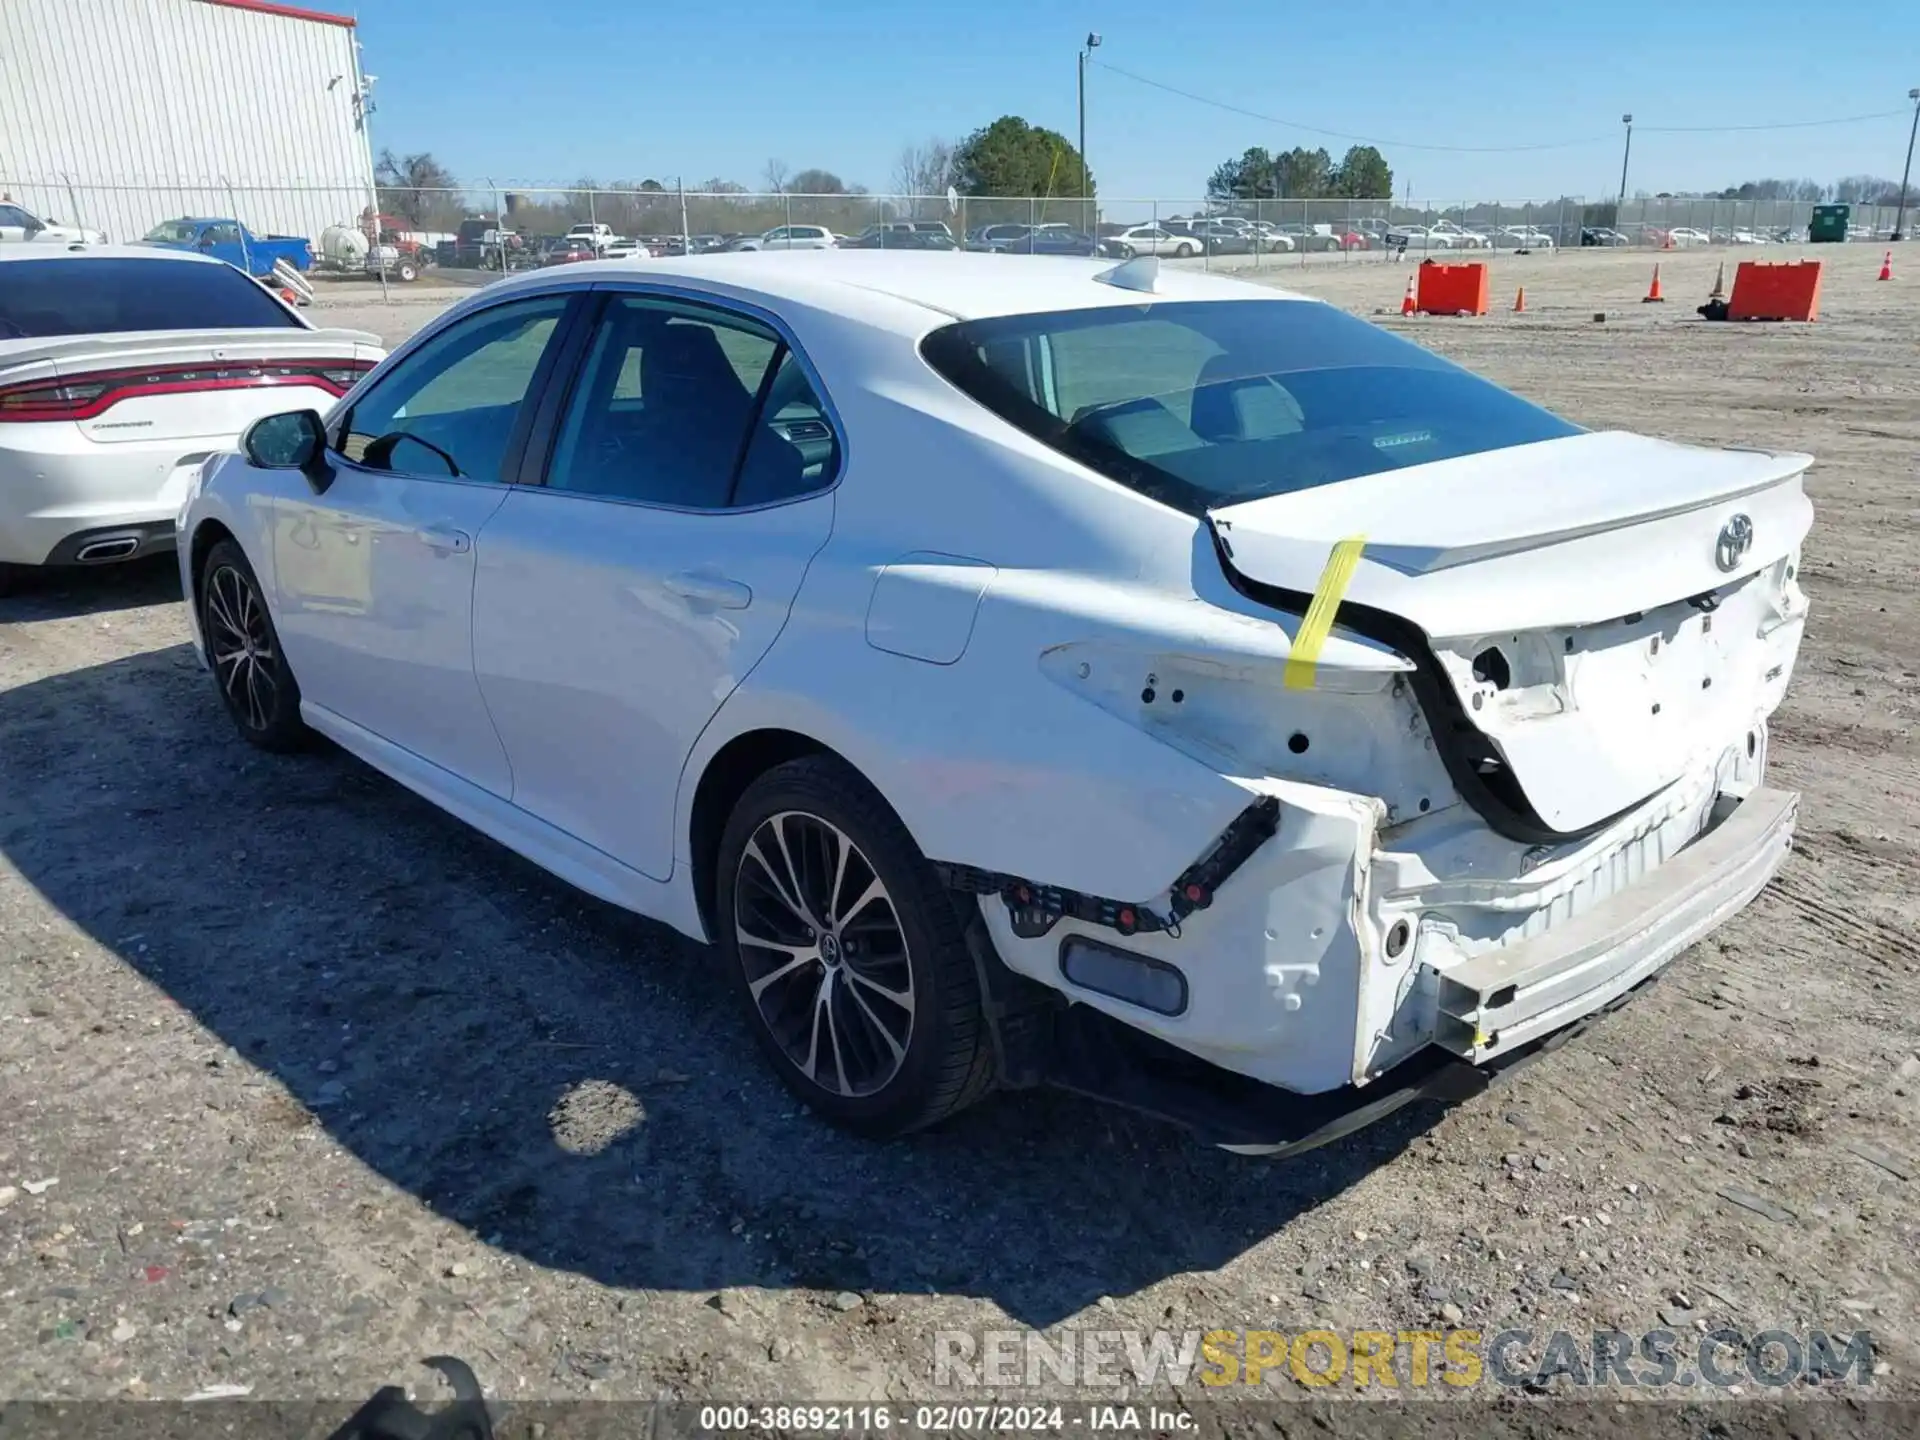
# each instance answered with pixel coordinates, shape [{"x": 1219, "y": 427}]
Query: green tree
[
  {"x": 1011, "y": 157},
  {"x": 1250, "y": 177},
  {"x": 1305, "y": 174},
  {"x": 815, "y": 181},
  {"x": 1363, "y": 175}
]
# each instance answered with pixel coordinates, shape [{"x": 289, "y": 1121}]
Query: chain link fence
[{"x": 511, "y": 226}]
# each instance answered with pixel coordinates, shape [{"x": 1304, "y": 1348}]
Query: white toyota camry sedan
[
  {"x": 122, "y": 369},
  {"x": 1143, "y": 682}
]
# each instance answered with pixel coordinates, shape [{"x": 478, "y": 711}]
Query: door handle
[
  {"x": 715, "y": 590},
  {"x": 444, "y": 539}
]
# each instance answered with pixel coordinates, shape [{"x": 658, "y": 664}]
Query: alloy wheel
[
  {"x": 824, "y": 953},
  {"x": 240, "y": 644}
]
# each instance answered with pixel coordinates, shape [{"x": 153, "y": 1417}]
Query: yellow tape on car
[{"x": 1318, "y": 624}]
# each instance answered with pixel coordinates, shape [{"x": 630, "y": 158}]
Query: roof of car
[
  {"x": 76, "y": 250},
  {"x": 930, "y": 286}
]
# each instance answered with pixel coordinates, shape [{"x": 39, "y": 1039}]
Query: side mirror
[{"x": 296, "y": 440}]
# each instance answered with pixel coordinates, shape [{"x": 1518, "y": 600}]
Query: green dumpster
[{"x": 1828, "y": 225}]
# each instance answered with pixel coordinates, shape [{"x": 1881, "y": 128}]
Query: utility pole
[
  {"x": 1626, "y": 120},
  {"x": 1900, "y": 217},
  {"x": 1093, "y": 43}
]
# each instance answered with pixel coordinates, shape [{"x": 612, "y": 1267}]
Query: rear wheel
[
  {"x": 849, "y": 953},
  {"x": 408, "y": 271},
  {"x": 243, "y": 650},
  {"x": 1183, "y": 252}
]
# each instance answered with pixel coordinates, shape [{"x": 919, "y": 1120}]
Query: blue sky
[{"x": 534, "y": 90}]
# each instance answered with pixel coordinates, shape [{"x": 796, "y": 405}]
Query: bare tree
[
  {"x": 417, "y": 187},
  {"x": 777, "y": 175},
  {"x": 923, "y": 172}
]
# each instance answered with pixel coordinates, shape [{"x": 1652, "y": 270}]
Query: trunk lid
[
  {"x": 1607, "y": 610},
  {"x": 200, "y": 385}
]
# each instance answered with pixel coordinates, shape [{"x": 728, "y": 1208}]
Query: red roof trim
[{"x": 289, "y": 12}]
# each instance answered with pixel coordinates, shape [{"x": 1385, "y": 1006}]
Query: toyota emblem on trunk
[{"x": 1736, "y": 538}]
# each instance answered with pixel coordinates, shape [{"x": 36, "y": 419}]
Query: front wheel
[
  {"x": 243, "y": 650},
  {"x": 849, "y": 953},
  {"x": 408, "y": 272}
]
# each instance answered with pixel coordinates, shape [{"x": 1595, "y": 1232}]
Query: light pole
[
  {"x": 1093, "y": 43},
  {"x": 1626, "y": 120},
  {"x": 1900, "y": 216}
]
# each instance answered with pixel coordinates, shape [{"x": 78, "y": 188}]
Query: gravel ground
[{"x": 303, "y": 1080}]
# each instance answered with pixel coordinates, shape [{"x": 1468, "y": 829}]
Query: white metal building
[{"x": 118, "y": 114}]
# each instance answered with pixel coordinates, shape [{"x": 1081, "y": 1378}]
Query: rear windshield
[
  {"x": 99, "y": 296},
  {"x": 1201, "y": 404}
]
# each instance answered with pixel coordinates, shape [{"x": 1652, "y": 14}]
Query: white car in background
[
  {"x": 1414, "y": 237},
  {"x": 598, "y": 234},
  {"x": 1458, "y": 236},
  {"x": 980, "y": 655},
  {"x": 122, "y": 368},
  {"x": 626, "y": 250},
  {"x": 18, "y": 224},
  {"x": 1522, "y": 237},
  {"x": 1152, "y": 240},
  {"x": 790, "y": 237},
  {"x": 1683, "y": 235}
]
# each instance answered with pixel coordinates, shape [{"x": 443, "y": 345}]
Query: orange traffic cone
[
  {"x": 1886, "y": 267},
  {"x": 1410, "y": 305},
  {"x": 1653, "y": 295},
  {"x": 1520, "y": 301}
]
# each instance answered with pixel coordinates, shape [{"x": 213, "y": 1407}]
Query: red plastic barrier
[
  {"x": 1766, "y": 291},
  {"x": 1452, "y": 289}
]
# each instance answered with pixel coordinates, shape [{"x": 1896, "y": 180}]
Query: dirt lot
[{"x": 303, "y": 1080}]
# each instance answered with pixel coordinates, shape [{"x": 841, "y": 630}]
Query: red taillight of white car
[{"x": 81, "y": 397}]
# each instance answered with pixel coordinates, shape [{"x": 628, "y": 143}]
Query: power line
[
  {"x": 1778, "y": 125},
  {"x": 1487, "y": 149},
  {"x": 1344, "y": 135}
]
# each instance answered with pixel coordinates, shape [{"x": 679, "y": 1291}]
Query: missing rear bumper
[
  {"x": 1510, "y": 996},
  {"x": 1093, "y": 1055}
]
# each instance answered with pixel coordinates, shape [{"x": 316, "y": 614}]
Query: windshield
[
  {"x": 174, "y": 232},
  {"x": 113, "y": 294},
  {"x": 1201, "y": 404}
]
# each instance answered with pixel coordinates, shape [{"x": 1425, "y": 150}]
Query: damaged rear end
[{"x": 1501, "y": 723}]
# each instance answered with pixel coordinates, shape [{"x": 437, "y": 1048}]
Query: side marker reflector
[{"x": 1318, "y": 624}]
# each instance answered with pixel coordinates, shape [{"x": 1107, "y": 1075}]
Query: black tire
[
  {"x": 408, "y": 272},
  {"x": 945, "y": 1061},
  {"x": 243, "y": 650},
  {"x": 1183, "y": 252},
  {"x": 13, "y": 578}
]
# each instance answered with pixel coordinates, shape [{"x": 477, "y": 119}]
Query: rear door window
[
  {"x": 692, "y": 407},
  {"x": 105, "y": 295}
]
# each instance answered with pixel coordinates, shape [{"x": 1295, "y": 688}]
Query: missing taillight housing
[{"x": 82, "y": 397}]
